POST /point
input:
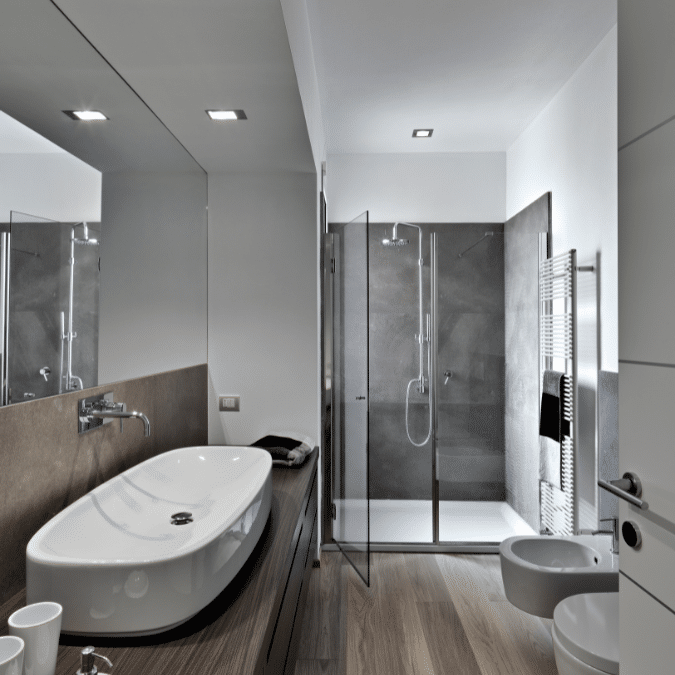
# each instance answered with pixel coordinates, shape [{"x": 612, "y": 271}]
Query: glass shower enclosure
[
  {"x": 49, "y": 277},
  {"x": 435, "y": 301}
]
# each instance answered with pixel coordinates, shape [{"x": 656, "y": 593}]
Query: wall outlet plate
[{"x": 228, "y": 403}]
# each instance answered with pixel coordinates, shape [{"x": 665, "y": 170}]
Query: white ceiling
[
  {"x": 184, "y": 57},
  {"x": 476, "y": 71},
  {"x": 46, "y": 67},
  {"x": 16, "y": 138}
]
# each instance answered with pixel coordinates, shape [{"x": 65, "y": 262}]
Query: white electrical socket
[{"x": 228, "y": 403}]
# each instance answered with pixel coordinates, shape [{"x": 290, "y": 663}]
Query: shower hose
[{"x": 420, "y": 381}]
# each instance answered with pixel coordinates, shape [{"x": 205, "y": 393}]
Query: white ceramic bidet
[
  {"x": 539, "y": 572},
  {"x": 151, "y": 547}
]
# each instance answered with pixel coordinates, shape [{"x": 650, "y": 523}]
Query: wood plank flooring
[{"x": 424, "y": 614}]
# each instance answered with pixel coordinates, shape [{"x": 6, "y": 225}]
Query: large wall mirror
[{"x": 146, "y": 244}]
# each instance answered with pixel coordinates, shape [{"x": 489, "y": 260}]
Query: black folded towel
[
  {"x": 285, "y": 451},
  {"x": 551, "y": 422}
]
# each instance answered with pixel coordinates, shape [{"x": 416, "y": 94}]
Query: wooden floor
[{"x": 425, "y": 614}]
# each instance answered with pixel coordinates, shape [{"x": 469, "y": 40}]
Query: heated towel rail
[{"x": 558, "y": 351}]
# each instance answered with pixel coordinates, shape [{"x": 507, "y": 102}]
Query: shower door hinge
[
  {"x": 332, "y": 265},
  {"x": 333, "y": 512}
]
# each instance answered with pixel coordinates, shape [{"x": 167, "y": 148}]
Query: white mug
[
  {"x": 39, "y": 626},
  {"x": 11, "y": 655}
]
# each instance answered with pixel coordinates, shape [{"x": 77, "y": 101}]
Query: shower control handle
[{"x": 447, "y": 374}]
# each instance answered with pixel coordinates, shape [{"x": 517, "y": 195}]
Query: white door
[{"x": 647, "y": 331}]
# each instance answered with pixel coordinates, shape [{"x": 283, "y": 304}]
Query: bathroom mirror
[{"x": 47, "y": 66}]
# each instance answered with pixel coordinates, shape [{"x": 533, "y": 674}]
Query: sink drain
[{"x": 182, "y": 518}]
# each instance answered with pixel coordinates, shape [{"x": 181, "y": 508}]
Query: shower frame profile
[{"x": 5, "y": 252}]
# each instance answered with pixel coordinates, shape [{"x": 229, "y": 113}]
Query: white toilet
[{"x": 586, "y": 634}]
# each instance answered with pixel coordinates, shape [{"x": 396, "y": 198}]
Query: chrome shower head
[{"x": 395, "y": 242}]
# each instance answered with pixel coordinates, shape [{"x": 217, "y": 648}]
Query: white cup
[
  {"x": 11, "y": 655},
  {"x": 39, "y": 626}
]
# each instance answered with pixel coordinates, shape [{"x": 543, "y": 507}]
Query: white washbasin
[
  {"x": 119, "y": 563},
  {"x": 539, "y": 572}
]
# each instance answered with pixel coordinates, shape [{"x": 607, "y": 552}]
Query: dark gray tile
[{"x": 521, "y": 433}]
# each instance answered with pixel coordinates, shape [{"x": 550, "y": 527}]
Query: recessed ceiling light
[
  {"x": 86, "y": 115},
  {"x": 422, "y": 133},
  {"x": 224, "y": 115}
]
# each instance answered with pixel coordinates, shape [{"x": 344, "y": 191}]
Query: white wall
[
  {"x": 296, "y": 17},
  {"x": 424, "y": 187},
  {"x": 52, "y": 185},
  {"x": 262, "y": 322},
  {"x": 153, "y": 274},
  {"x": 570, "y": 150}
]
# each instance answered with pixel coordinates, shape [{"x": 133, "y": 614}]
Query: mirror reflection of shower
[
  {"x": 49, "y": 306},
  {"x": 422, "y": 383},
  {"x": 72, "y": 382}
]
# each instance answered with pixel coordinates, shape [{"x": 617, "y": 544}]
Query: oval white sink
[
  {"x": 558, "y": 553},
  {"x": 151, "y": 547},
  {"x": 539, "y": 572}
]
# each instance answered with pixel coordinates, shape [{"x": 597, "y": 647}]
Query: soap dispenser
[{"x": 88, "y": 667}]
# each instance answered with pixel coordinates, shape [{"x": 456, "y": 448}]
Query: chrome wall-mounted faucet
[
  {"x": 614, "y": 532},
  {"x": 95, "y": 411}
]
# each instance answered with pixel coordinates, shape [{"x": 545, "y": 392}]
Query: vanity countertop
[{"x": 227, "y": 636}]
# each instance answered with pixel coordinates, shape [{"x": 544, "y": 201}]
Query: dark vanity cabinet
[
  {"x": 254, "y": 626},
  {"x": 284, "y": 630}
]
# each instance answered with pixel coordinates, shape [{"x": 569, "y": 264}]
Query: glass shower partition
[
  {"x": 469, "y": 363},
  {"x": 350, "y": 393}
]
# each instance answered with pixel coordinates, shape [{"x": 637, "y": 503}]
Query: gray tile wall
[
  {"x": 521, "y": 263},
  {"x": 398, "y": 470},
  {"x": 471, "y": 344},
  {"x": 46, "y": 465}
]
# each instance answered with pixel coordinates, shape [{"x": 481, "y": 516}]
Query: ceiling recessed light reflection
[
  {"x": 422, "y": 133},
  {"x": 86, "y": 115},
  {"x": 225, "y": 115}
]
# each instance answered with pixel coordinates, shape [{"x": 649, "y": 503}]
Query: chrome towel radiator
[{"x": 558, "y": 351}]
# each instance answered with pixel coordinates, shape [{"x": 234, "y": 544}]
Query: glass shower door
[{"x": 350, "y": 466}]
